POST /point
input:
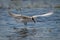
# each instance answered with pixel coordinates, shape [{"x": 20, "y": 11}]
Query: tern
[{"x": 25, "y": 19}]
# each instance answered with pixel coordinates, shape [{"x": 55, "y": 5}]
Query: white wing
[
  {"x": 15, "y": 15},
  {"x": 47, "y": 14},
  {"x": 18, "y": 16}
]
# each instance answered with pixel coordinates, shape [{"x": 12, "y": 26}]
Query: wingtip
[{"x": 10, "y": 14}]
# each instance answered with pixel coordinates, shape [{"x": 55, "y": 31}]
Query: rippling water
[{"x": 47, "y": 28}]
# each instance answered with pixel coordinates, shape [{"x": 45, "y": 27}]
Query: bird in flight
[{"x": 25, "y": 19}]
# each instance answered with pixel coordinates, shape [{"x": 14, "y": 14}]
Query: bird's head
[{"x": 33, "y": 20}]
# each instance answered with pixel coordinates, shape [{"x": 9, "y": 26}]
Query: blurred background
[
  {"x": 46, "y": 28},
  {"x": 29, "y": 3}
]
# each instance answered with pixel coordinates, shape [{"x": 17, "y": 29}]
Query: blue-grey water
[{"x": 46, "y": 28}]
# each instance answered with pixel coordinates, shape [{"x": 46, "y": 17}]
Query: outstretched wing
[
  {"x": 18, "y": 16},
  {"x": 14, "y": 15},
  {"x": 47, "y": 14}
]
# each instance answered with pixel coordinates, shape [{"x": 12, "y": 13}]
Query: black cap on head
[{"x": 33, "y": 19}]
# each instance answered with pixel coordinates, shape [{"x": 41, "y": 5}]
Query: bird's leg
[{"x": 25, "y": 23}]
